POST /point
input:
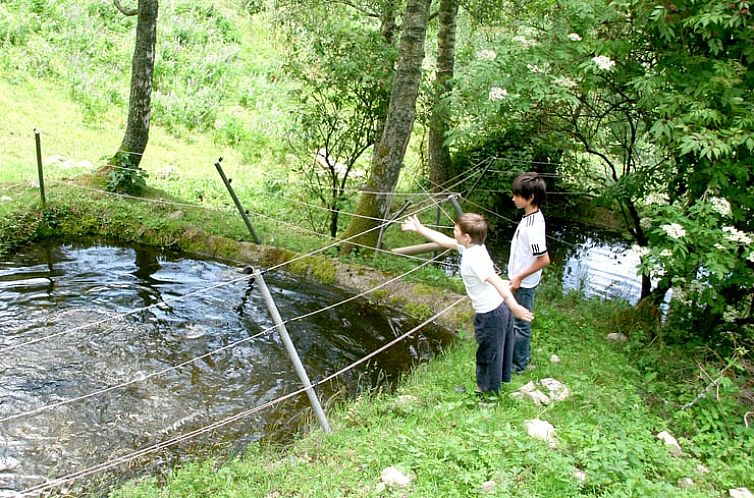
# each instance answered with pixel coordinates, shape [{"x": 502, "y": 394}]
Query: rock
[
  {"x": 176, "y": 215},
  {"x": 540, "y": 429},
  {"x": 394, "y": 478},
  {"x": 558, "y": 390},
  {"x": 528, "y": 387},
  {"x": 538, "y": 397},
  {"x": 685, "y": 483},
  {"x": 85, "y": 164},
  {"x": 488, "y": 486},
  {"x": 54, "y": 160},
  {"x": 740, "y": 493},
  {"x": 617, "y": 337},
  {"x": 580, "y": 475},
  {"x": 406, "y": 400},
  {"x": 701, "y": 469},
  {"x": 554, "y": 359},
  {"x": 671, "y": 443},
  {"x": 169, "y": 172},
  {"x": 5, "y": 198}
]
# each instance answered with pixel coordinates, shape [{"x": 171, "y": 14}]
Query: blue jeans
[
  {"x": 522, "y": 330},
  {"x": 494, "y": 336}
]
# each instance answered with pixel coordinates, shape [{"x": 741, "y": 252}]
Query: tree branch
[{"x": 125, "y": 11}]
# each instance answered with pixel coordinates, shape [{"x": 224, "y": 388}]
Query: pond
[{"x": 77, "y": 319}]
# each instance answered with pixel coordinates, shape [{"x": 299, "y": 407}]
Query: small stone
[
  {"x": 54, "y": 159},
  {"x": 558, "y": 390},
  {"x": 617, "y": 337},
  {"x": 740, "y": 493},
  {"x": 554, "y": 359},
  {"x": 685, "y": 483},
  {"x": 176, "y": 215},
  {"x": 528, "y": 387},
  {"x": 5, "y": 198},
  {"x": 540, "y": 429},
  {"x": 394, "y": 478},
  {"x": 701, "y": 469},
  {"x": 539, "y": 398},
  {"x": 580, "y": 475},
  {"x": 671, "y": 443},
  {"x": 488, "y": 486},
  {"x": 406, "y": 400}
]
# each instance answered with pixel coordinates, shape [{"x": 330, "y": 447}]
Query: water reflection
[{"x": 79, "y": 319}]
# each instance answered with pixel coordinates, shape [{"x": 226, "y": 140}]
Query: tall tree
[
  {"x": 390, "y": 150},
  {"x": 439, "y": 152},
  {"x": 142, "y": 67}
]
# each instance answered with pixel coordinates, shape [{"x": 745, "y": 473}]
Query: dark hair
[
  {"x": 530, "y": 186},
  {"x": 473, "y": 225}
]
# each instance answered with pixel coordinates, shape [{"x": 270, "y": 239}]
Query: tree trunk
[
  {"x": 439, "y": 154},
  {"x": 390, "y": 150},
  {"x": 140, "y": 100}
]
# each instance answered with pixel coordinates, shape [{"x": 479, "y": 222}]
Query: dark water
[{"x": 76, "y": 319}]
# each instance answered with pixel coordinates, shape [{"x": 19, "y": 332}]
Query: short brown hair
[{"x": 474, "y": 225}]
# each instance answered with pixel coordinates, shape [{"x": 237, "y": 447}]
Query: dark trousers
[{"x": 494, "y": 336}]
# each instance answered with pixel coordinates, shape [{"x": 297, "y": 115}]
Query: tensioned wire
[
  {"x": 205, "y": 355},
  {"x": 105, "y": 320},
  {"x": 111, "y": 463},
  {"x": 40, "y": 409},
  {"x": 200, "y": 291},
  {"x": 221, "y": 423}
]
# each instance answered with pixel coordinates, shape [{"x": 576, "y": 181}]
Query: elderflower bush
[{"x": 705, "y": 258}]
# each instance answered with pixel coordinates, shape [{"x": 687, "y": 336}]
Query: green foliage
[{"x": 123, "y": 176}]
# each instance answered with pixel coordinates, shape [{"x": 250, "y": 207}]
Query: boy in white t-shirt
[
  {"x": 527, "y": 258},
  {"x": 493, "y": 302}
]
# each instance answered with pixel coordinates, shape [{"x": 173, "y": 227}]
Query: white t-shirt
[
  {"x": 528, "y": 243},
  {"x": 476, "y": 268}
]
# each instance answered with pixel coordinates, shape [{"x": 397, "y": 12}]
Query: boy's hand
[
  {"x": 516, "y": 282},
  {"x": 411, "y": 224},
  {"x": 521, "y": 313}
]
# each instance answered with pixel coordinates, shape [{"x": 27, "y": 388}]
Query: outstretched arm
[
  {"x": 412, "y": 224},
  {"x": 503, "y": 287}
]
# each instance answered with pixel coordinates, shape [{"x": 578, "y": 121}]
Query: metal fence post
[
  {"x": 38, "y": 141},
  {"x": 292, "y": 353},
  {"x": 241, "y": 210}
]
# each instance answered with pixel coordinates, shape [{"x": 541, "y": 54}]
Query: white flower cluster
[
  {"x": 535, "y": 68},
  {"x": 574, "y": 37},
  {"x": 603, "y": 62},
  {"x": 486, "y": 55},
  {"x": 641, "y": 251},
  {"x": 721, "y": 205},
  {"x": 730, "y": 314},
  {"x": 655, "y": 198},
  {"x": 497, "y": 93},
  {"x": 524, "y": 41},
  {"x": 735, "y": 235},
  {"x": 751, "y": 256},
  {"x": 565, "y": 82},
  {"x": 674, "y": 230}
]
